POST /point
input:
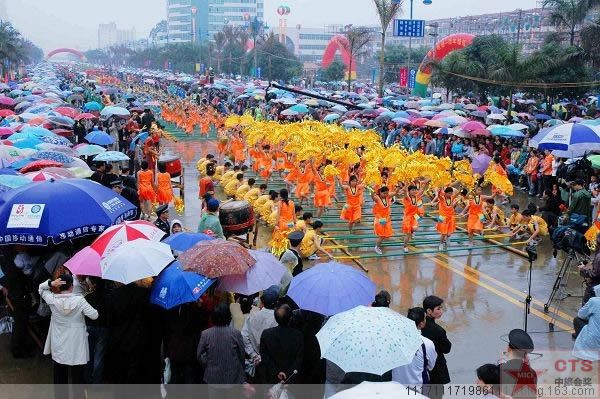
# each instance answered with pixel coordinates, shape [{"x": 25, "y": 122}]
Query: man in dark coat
[
  {"x": 517, "y": 378},
  {"x": 147, "y": 119},
  {"x": 129, "y": 194},
  {"x": 439, "y": 375},
  {"x": 281, "y": 350},
  {"x": 162, "y": 212}
]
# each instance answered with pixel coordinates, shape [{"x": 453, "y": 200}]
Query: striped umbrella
[{"x": 115, "y": 236}]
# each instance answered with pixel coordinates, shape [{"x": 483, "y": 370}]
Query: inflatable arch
[
  {"x": 439, "y": 52},
  {"x": 79, "y": 54},
  {"x": 338, "y": 42}
]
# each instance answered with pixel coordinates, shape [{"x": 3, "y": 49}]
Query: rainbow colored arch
[{"x": 77, "y": 53}]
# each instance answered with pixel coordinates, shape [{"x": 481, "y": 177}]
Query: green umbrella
[{"x": 595, "y": 159}]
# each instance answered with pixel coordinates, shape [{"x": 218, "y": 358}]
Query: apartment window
[
  {"x": 312, "y": 47},
  {"x": 314, "y": 36}
]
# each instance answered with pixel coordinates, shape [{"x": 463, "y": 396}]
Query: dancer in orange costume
[
  {"x": 292, "y": 173},
  {"x": 305, "y": 177},
  {"x": 383, "y": 221},
  {"x": 446, "y": 225},
  {"x": 352, "y": 211},
  {"x": 237, "y": 148},
  {"x": 265, "y": 163},
  {"x": 322, "y": 195},
  {"x": 145, "y": 178},
  {"x": 286, "y": 215},
  {"x": 476, "y": 214},
  {"x": 164, "y": 192},
  {"x": 280, "y": 163},
  {"x": 222, "y": 145},
  {"x": 413, "y": 211}
]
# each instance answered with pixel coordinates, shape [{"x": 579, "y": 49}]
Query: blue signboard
[
  {"x": 258, "y": 72},
  {"x": 412, "y": 76},
  {"x": 409, "y": 27}
]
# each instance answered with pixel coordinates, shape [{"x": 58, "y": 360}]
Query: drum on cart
[
  {"x": 236, "y": 217},
  {"x": 172, "y": 164}
]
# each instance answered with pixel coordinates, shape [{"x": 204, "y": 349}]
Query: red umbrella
[
  {"x": 39, "y": 120},
  {"x": 67, "y": 111},
  {"x": 420, "y": 122},
  {"x": 6, "y": 112},
  {"x": 85, "y": 115},
  {"x": 472, "y": 126},
  {"x": 42, "y": 175},
  {"x": 482, "y": 108},
  {"x": 216, "y": 258},
  {"x": 4, "y": 131},
  {"x": 115, "y": 236},
  {"x": 63, "y": 132},
  {"x": 50, "y": 100},
  {"x": 7, "y": 101},
  {"x": 39, "y": 165},
  {"x": 481, "y": 132}
]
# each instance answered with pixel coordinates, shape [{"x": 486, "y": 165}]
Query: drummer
[{"x": 209, "y": 221}]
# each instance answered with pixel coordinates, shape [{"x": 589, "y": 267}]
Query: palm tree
[
  {"x": 220, "y": 40},
  {"x": 569, "y": 13},
  {"x": 590, "y": 42},
  {"x": 355, "y": 44},
  {"x": 386, "y": 10}
]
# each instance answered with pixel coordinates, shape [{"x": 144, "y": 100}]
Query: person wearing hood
[
  {"x": 67, "y": 340},
  {"x": 176, "y": 226},
  {"x": 588, "y": 339}
]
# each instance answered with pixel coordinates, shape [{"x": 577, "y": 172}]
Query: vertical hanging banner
[{"x": 403, "y": 77}]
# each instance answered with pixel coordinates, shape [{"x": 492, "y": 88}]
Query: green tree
[
  {"x": 590, "y": 42},
  {"x": 355, "y": 45},
  {"x": 274, "y": 59},
  {"x": 397, "y": 57},
  {"x": 569, "y": 14},
  {"x": 334, "y": 72},
  {"x": 386, "y": 11}
]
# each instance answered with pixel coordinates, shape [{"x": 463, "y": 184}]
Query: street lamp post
[
  {"x": 434, "y": 34},
  {"x": 427, "y": 3},
  {"x": 255, "y": 27},
  {"x": 194, "y": 11}
]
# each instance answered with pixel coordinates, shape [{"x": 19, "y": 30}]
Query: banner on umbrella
[{"x": 25, "y": 216}]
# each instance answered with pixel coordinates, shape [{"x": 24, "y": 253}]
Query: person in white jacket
[{"x": 67, "y": 340}]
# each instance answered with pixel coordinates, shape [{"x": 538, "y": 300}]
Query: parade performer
[
  {"x": 146, "y": 193},
  {"x": 268, "y": 211},
  {"x": 286, "y": 215},
  {"x": 265, "y": 162},
  {"x": 532, "y": 226},
  {"x": 164, "y": 192},
  {"x": 252, "y": 195},
  {"x": 322, "y": 197},
  {"x": 413, "y": 211},
  {"x": 312, "y": 243},
  {"x": 305, "y": 177},
  {"x": 446, "y": 225},
  {"x": 205, "y": 184},
  {"x": 382, "y": 212},
  {"x": 243, "y": 189},
  {"x": 232, "y": 186},
  {"x": 352, "y": 210},
  {"x": 475, "y": 211},
  {"x": 494, "y": 215}
]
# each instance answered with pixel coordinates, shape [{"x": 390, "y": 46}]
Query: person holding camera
[
  {"x": 591, "y": 275},
  {"x": 67, "y": 340}
]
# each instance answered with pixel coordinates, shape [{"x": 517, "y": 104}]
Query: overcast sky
[{"x": 74, "y": 23}]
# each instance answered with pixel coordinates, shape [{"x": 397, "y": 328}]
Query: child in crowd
[{"x": 312, "y": 241}]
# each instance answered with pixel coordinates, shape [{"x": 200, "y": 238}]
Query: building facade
[
  {"x": 109, "y": 35},
  {"x": 198, "y": 20}
]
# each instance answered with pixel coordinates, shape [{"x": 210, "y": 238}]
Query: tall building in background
[
  {"x": 109, "y": 35},
  {"x": 3, "y": 12},
  {"x": 199, "y": 20}
]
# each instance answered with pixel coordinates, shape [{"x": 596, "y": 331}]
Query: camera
[{"x": 531, "y": 250}]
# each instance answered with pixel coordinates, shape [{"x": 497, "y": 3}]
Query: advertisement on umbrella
[{"x": 26, "y": 216}]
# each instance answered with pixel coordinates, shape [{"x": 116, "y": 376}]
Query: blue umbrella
[
  {"x": 62, "y": 121},
  {"x": 27, "y": 143},
  {"x": 56, "y": 139},
  {"x": 402, "y": 114},
  {"x": 331, "y": 117},
  {"x": 142, "y": 137},
  {"x": 8, "y": 182},
  {"x": 300, "y": 108},
  {"x": 501, "y": 130},
  {"x": 444, "y": 130},
  {"x": 93, "y": 106},
  {"x": 174, "y": 287},
  {"x": 184, "y": 241},
  {"x": 21, "y": 163},
  {"x": 37, "y": 131},
  {"x": 111, "y": 156},
  {"x": 568, "y": 137},
  {"x": 53, "y": 156},
  {"x": 542, "y": 117},
  {"x": 9, "y": 172},
  {"x": 38, "y": 213},
  {"x": 331, "y": 288},
  {"x": 98, "y": 137}
]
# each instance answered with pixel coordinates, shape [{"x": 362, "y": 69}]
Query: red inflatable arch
[
  {"x": 338, "y": 42},
  {"x": 79, "y": 54}
]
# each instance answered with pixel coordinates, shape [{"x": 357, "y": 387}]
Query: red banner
[{"x": 403, "y": 77}]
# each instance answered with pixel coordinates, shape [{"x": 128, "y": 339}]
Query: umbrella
[
  {"x": 331, "y": 117},
  {"x": 89, "y": 150},
  {"x": 85, "y": 262},
  {"x": 568, "y": 137},
  {"x": 436, "y": 123},
  {"x": 67, "y": 111},
  {"x": 351, "y": 123},
  {"x": 217, "y": 258},
  {"x": 85, "y": 115},
  {"x": 7, "y": 101},
  {"x": 378, "y": 390},
  {"x": 44, "y": 175},
  {"x": 38, "y": 165},
  {"x": 174, "y": 287},
  {"x": 9, "y": 172},
  {"x": 330, "y": 288},
  {"x": 63, "y": 121},
  {"x": 53, "y": 156},
  {"x": 185, "y": 240},
  {"x": 10, "y": 153},
  {"x": 115, "y": 236},
  {"x": 115, "y": 111},
  {"x": 369, "y": 340},
  {"x": 444, "y": 130},
  {"x": 136, "y": 260},
  {"x": 6, "y": 112},
  {"x": 471, "y": 126},
  {"x": 9, "y": 182},
  {"x": 518, "y": 126},
  {"x": 553, "y": 122},
  {"x": 595, "y": 159},
  {"x": 289, "y": 112},
  {"x": 496, "y": 117},
  {"x": 479, "y": 114},
  {"x": 339, "y": 108},
  {"x": 470, "y": 107},
  {"x": 42, "y": 208},
  {"x": 111, "y": 156},
  {"x": 300, "y": 108},
  {"x": 99, "y": 137},
  {"x": 499, "y": 130},
  {"x": 480, "y": 132},
  {"x": 401, "y": 121},
  {"x": 420, "y": 122},
  {"x": 81, "y": 172},
  {"x": 58, "y": 140},
  {"x": 480, "y": 163},
  {"x": 267, "y": 271},
  {"x": 412, "y": 105},
  {"x": 542, "y": 117},
  {"x": 460, "y": 133},
  {"x": 92, "y": 106}
]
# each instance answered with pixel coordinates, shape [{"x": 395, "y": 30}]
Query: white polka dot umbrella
[{"x": 369, "y": 340}]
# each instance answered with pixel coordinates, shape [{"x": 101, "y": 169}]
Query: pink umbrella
[
  {"x": 4, "y": 131},
  {"x": 43, "y": 175},
  {"x": 480, "y": 163},
  {"x": 472, "y": 126},
  {"x": 420, "y": 122},
  {"x": 481, "y": 132},
  {"x": 267, "y": 271},
  {"x": 65, "y": 173},
  {"x": 67, "y": 111},
  {"x": 85, "y": 115},
  {"x": 7, "y": 101},
  {"x": 85, "y": 262},
  {"x": 115, "y": 236},
  {"x": 216, "y": 258}
]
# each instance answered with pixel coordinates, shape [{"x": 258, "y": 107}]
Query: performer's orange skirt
[
  {"x": 322, "y": 198},
  {"x": 351, "y": 213},
  {"x": 446, "y": 225},
  {"x": 474, "y": 223},
  {"x": 302, "y": 190},
  {"x": 383, "y": 227}
]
